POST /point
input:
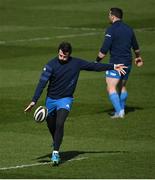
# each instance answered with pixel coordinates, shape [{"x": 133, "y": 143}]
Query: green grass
[{"x": 30, "y": 32}]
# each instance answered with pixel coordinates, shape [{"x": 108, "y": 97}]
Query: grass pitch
[{"x": 94, "y": 146}]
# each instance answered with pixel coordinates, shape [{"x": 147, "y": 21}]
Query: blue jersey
[
  {"x": 62, "y": 77},
  {"x": 119, "y": 40}
]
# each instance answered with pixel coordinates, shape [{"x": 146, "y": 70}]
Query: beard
[{"x": 62, "y": 61}]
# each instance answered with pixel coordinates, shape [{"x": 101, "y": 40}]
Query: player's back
[{"x": 120, "y": 50}]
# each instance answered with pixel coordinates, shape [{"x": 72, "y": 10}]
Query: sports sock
[
  {"x": 123, "y": 98},
  {"x": 114, "y": 98},
  {"x": 55, "y": 152}
]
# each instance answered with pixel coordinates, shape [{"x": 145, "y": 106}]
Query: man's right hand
[{"x": 29, "y": 107}]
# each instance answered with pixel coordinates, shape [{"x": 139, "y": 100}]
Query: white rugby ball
[{"x": 40, "y": 114}]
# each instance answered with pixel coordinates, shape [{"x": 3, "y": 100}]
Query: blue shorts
[
  {"x": 56, "y": 104},
  {"x": 115, "y": 74}
]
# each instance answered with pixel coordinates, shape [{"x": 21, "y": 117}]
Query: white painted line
[
  {"x": 49, "y": 38},
  {"x": 24, "y": 165},
  {"x": 78, "y": 159},
  {"x": 97, "y": 31},
  {"x": 27, "y": 28},
  {"x": 37, "y": 164},
  {"x": 78, "y": 28}
]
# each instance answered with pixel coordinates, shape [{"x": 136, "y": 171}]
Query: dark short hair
[
  {"x": 65, "y": 47},
  {"x": 117, "y": 12}
]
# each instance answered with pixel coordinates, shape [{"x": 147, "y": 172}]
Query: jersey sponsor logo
[
  {"x": 107, "y": 72},
  {"x": 108, "y": 35},
  {"x": 113, "y": 74},
  {"x": 67, "y": 105}
]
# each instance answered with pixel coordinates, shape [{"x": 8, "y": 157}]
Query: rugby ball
[{"x": 40, "y": 114}]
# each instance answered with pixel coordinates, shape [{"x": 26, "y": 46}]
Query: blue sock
[
  {"x": 123, "y": 98},
  {"x": 114, "y": 98}
]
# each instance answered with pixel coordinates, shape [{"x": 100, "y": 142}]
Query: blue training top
[
  {"x": 119, "y": 39},
  {"x": 62, "y": 77}
]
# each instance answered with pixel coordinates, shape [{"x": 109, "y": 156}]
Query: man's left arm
[
  {"x": 138, "y": 59},
  {"x": 105, "y": 46}
]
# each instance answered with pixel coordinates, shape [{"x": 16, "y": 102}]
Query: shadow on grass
[
  {"x": 128, "y": 109},
  {"x": 70, "y": 155}
]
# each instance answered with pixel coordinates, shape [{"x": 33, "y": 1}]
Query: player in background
[
  {"x": 61, "y": 73},
  {"x": 119, "y": 40}
]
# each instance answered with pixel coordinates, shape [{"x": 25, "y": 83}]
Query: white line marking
[
  {"x": 49, "y": 38},
  {"x": 37, "y": 164},
  {"x": 78, "y": 159},
  {"x": 78, "y": 28},
  {"x": 26, "y": 28},
  {"x": 97, "y": 31},
  {"x": 24, "y": 165}
]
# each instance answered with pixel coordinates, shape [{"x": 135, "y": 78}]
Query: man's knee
[
  {"x": 112, "y": 85},
  {"x": 111, "y": 89}
]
